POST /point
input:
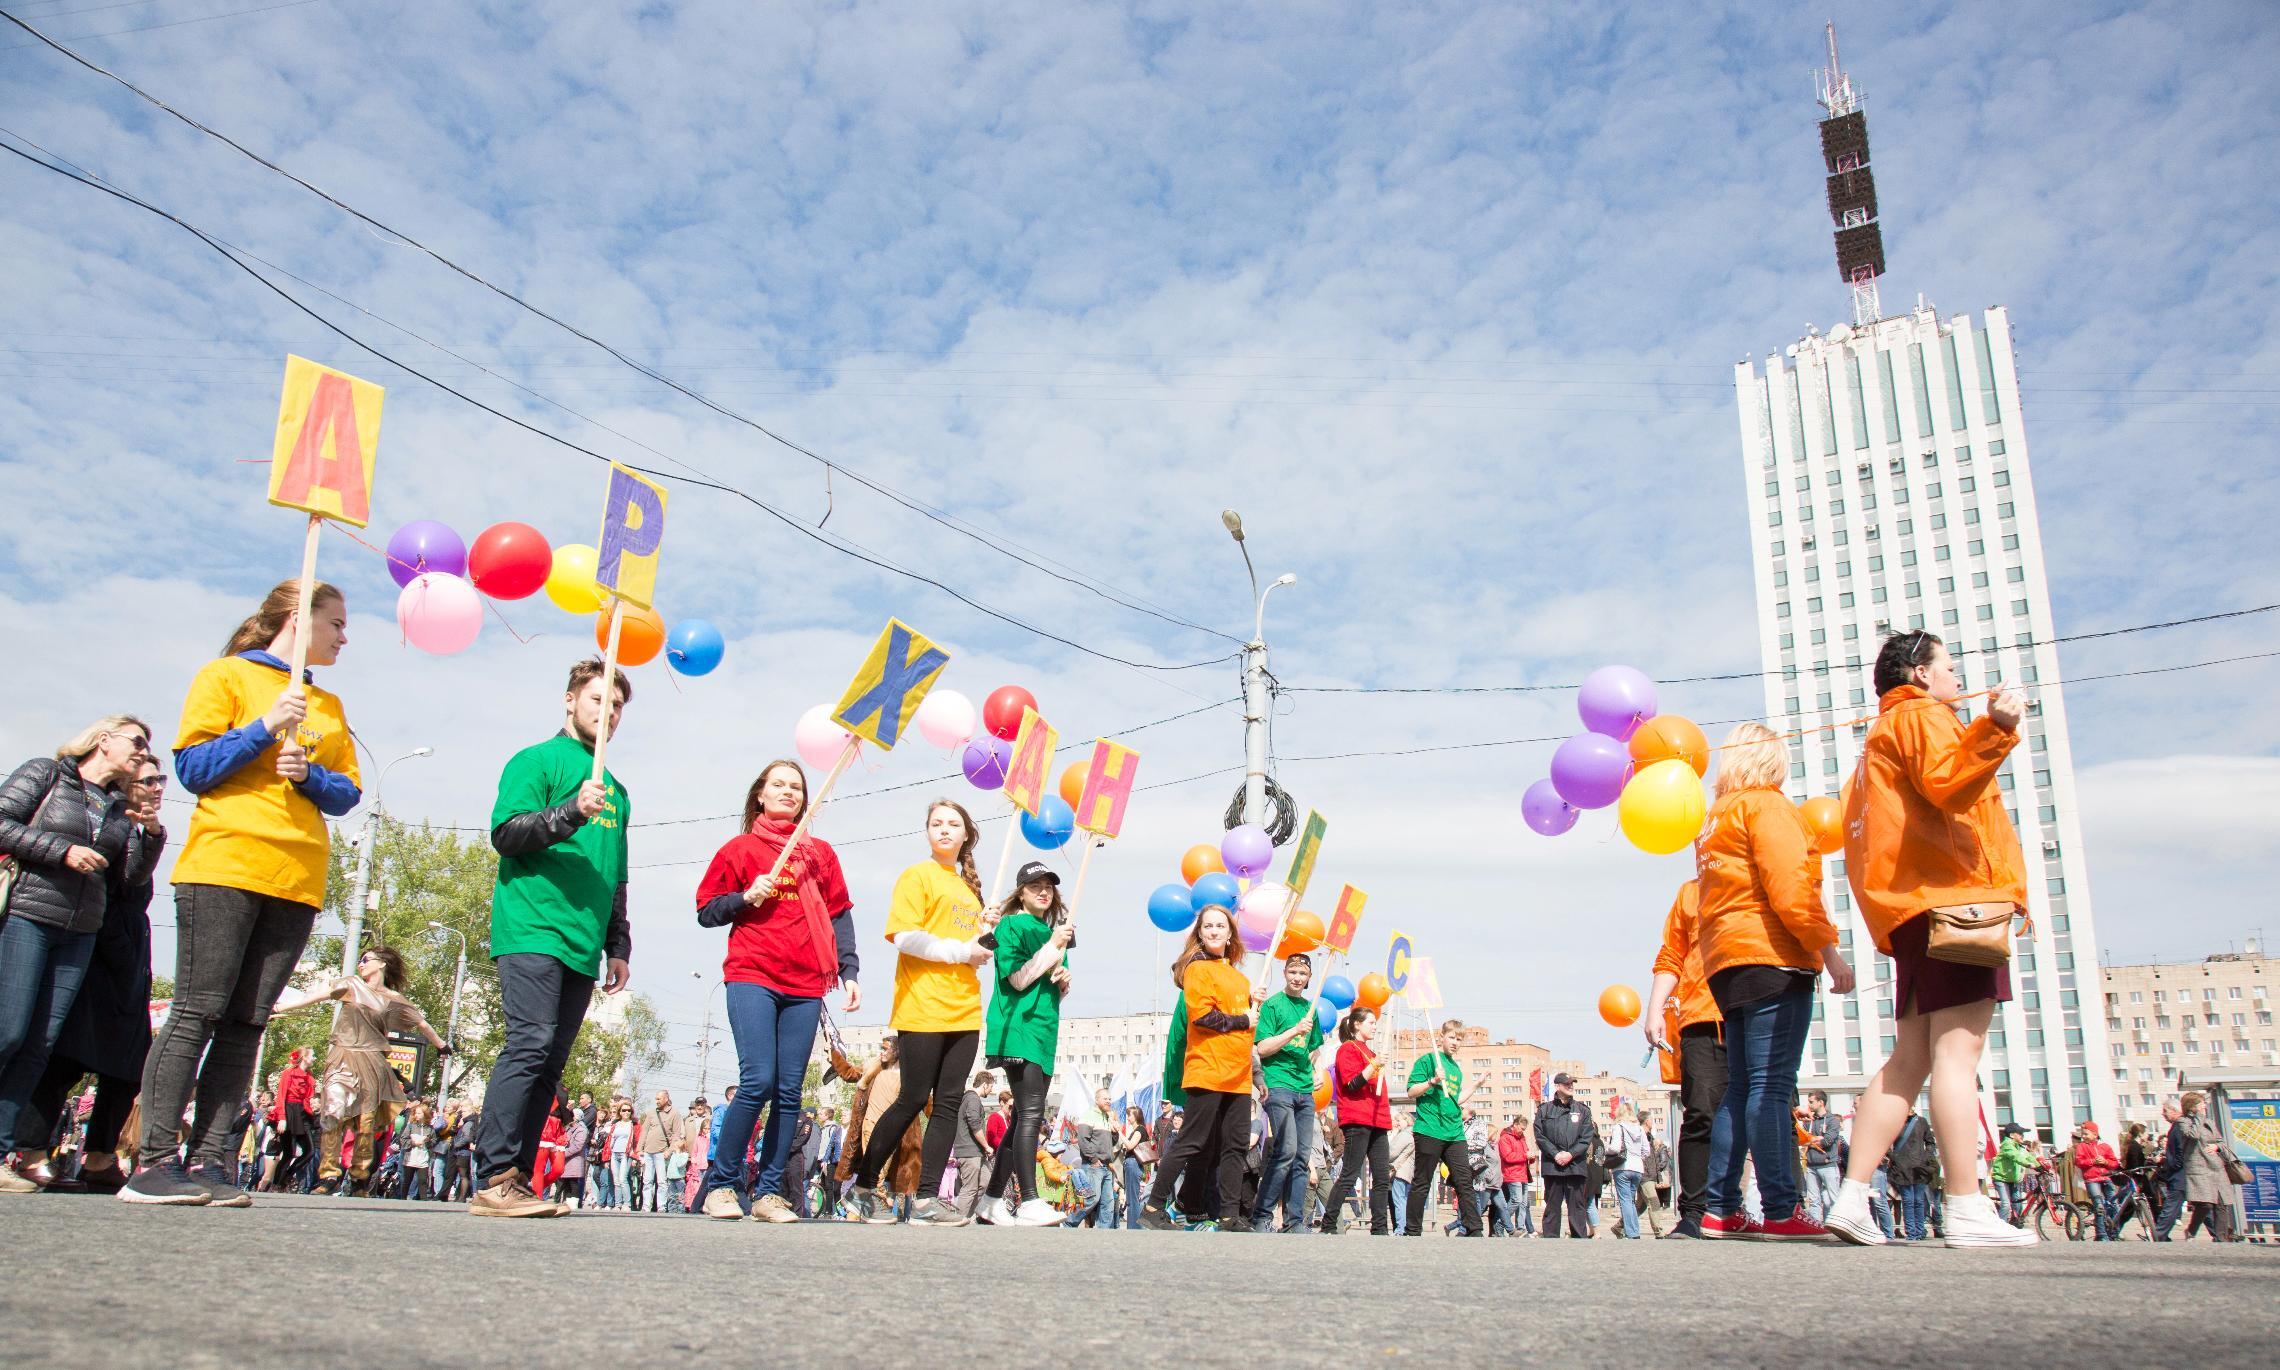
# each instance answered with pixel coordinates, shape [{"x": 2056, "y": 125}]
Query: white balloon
[
  {"x": 818, "y": 740},
  {"x": 946, "y": 719}
]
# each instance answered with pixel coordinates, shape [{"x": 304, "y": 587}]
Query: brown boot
[{"x": 508, "y": 1197}]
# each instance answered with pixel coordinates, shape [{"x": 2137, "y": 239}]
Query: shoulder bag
[{"x": 1972, "y": 934}]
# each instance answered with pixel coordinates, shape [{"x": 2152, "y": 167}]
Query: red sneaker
[
  {"x": 1797, "y": 1227},
  {"x": 1728, "y": 1225}
]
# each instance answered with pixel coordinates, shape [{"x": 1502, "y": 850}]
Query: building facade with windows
[
  {"x": 2164, "y": 1020},
  {"x": 1889, "y": 490}
]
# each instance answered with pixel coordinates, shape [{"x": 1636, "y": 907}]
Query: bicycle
[
  {"x": 2047, "y": 1210},
  {"x": 2136, "y": 1202}
]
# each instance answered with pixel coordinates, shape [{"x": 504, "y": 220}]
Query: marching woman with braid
[
  {"x": 1219, "y": 1004},
  {"x": 935, "y": 922},
  {"x": 787, "y": 944},
  {"x": 1365, "y": 1116}
]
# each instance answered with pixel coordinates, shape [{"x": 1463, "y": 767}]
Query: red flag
[
  {"x": 1536, "y": 1084},
  {"x": 1987, "y": 1138}
]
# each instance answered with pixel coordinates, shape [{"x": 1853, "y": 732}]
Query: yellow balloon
[
  {"x": 570, "y": 584},
  {"x": 1661, "y": 808}
]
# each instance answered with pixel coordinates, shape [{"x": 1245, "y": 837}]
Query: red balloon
[
  {"x": 509, "y": 561},
  {"x": 1001, "y": 712}
]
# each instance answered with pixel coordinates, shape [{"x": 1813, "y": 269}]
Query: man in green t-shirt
[
  {"x": 1437, "y": 1083},
  {"x": 1288, "y": 1035},
  {"x": 558, "y": 922}
]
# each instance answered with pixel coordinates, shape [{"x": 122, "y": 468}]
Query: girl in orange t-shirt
[{"x": 1216, "y": 1072}]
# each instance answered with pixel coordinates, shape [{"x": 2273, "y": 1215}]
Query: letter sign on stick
[
  {"x": 1345, "y": 920},
  {"x": 1424, "y": 992},
  {"x": 1398, "y": 956},
  {"x": 1108, "y": 785},
  {"x": 633, "y": 528},
  {"x": 879, "y": 702},
  {"x": 328, "y": 437},
  {"x": 1302, "y": 856},
  {"x": 1032, "y": 752}
]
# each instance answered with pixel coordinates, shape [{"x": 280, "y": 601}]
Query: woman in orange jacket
[
  {"x": 1925, "y": 829},
  {"x": 1216, "y": 1071},
  {"x": 1682, "y": 1019},
  {"x": 1764, "y": 942}
]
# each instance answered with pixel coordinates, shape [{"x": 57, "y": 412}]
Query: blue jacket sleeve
[
  {"x": 206, "y": 764},
  {"x": 333, "y": 793}
]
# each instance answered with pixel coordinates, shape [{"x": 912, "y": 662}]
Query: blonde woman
[{"x": 1765, "y": 941}]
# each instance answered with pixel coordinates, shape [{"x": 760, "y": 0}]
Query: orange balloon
[
  {"x": 1372, "y": 991},
  {"x": 1666, "y": 737},
  {"x": 1302, "y": 933},
  {"x": 640, "y": 638},
  {"x": 1619, "y": 1005},
  {"x": 1073, "y": 783},
  {"x": 1201, "y": 860},
  {"x": 1825, "y": 820},
  {"x": 1321, "y": 1090}
]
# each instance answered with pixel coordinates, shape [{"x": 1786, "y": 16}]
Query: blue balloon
[
  {"x": 1326, "y": 1013},
  {"x": 694, "y": 647},
  {"x": 1214, "y": 887},
  {"x": 1340, "y": 991},
  {"x": 1170, "y": 908},
  {"x": 1049, "y": 828}
]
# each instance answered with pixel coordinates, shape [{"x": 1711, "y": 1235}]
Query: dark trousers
[
  {"x": 41, "y": 969},
  {"x": 1213, "y": 1138},
  {"x": 774, "y": 1034},
  {"x": 545, "y": 1004},
  {"x": 1566, "y": 1191},
  {"x": 934, "y": 1066},
  {"x": 2170, "y": 1209},
  {"x": 1016, "y": 1163},
  {"x": 43, "y": 1120},
  {"x": 1701, "y": 1085},
  {"x": 1364, "y": 1146},
  {"x": 233, "y": 952},
  {"x": 1432, "y": 1154}
]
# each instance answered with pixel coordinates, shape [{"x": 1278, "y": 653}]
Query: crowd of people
[{"x": 1244, "y": 1142}]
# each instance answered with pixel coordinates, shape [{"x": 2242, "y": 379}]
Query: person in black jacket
[
  {"x": 108, "y": 1033},
  {"x": 1566, "y": 1141},
  {"x": 65, "y": 826}
]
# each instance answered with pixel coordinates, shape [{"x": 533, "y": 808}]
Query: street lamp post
[
  {"x": 451, "y": 1025},
  {"x": 361, "y": 899},
  {"x": 1257, "y": 698}
]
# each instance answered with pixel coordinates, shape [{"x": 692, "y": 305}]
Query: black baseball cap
[
  {"x": 1036, "y": 870},
  {"x": 1563, "y": 1078}
]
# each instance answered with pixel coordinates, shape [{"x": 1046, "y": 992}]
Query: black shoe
[
  {"x": 219, "y": 1189},
  {"x": 1686, "y": 1227},
  {"x": 165, "y": 1183},
  {"x": 1155, "y": 1219}
]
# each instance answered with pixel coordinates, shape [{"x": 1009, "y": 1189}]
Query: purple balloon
[
  {"x": 1545, "y": 811},
  {"x": 1247, "y": 851},
  {"x": 985, "y": 761},
  {"x": 1615, "y": 700},
  {"x": 1589, "y": 769},
  {"x": 425, "y": 545}
]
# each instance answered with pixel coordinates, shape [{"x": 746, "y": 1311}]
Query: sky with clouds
[{"x": 1444, "y": 298}]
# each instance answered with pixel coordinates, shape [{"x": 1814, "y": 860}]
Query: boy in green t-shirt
[
  {"x": 1288, "y": 1036},
  {"x": 1437, "y": 1082},
  {"x": 558, "y": 921}
]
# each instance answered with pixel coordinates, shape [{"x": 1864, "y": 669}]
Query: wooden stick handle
[
  {"x": 807, "y": 818},
  {"x": 609, "y": 686},
  {"x": 304, "y": 605},
  {"x": 1084, "y": 863},
  {"x": 1005, "y": 860},
  {"x": 1282, "y": 925}
]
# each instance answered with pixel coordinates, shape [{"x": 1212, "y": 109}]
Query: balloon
[
  {"x": 1170, "y": 908},
  {"x": 945, "y": 718},
  {"x": 509, "y": 561},
  {"x": 1373, "y": 991},
  {"x": 1001, "y": 712},
  {"x": 571, "y": 583},
  {"x": 1545, "y": 811},
  {"x": 1049, "y": 828},
  {"x": 1340, "y": 991},
  {"x": 1667, "y": 736},
  {"x": 425, "y": 545},
  {"x": 1247, "y": 850},
  {"x": 1257, "y": 913},
  {"x": 1201, "y": 860},
  {"x": 694, "y": 647},
  {"x": 1326, "y": 1014},
  {"x": 984, "y": 762},
  {"x": 1615, "y": 700},
  {"x": 1073, "y": 782},
  {"x": 818, "y": 739},
  {"x": 1301, "y": 934},
  {"x": 1213, "y": 888},
  {"x": 1321, "y": 1090},
  {"x": 1661, "y": 810},
  {"x": 1619, "y": 1005},
  {"x": 640, "y": 638},
  {"x": 439, "y": 613},
  {"x": 1589, "y": 769},
  {"x": 1825, "y": 820}
]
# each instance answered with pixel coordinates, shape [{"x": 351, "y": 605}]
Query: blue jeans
[
  {"x": 774, "y": 1034},
  {"x": 2102, "y": 1204},
  {"x": 599, "y": 1177},
  {"x": 1880, "y": 1207},
  {"x": 1821, "y": 1183},
  {"x": 1090, "y": 1183},
  {"x": 1627, "y": 1199},
  {"x": 1765, "y": 1042},
  {"x": 2008, "y": 1195},
  {"x": 1514, "y": 1209},
  {"x": 1135, "y": 1193},
  {"x": 1916, "y": 1209},
  {"x": 1290, "y": 1118},
  {"x": 40, "y": 973},
  {"x": 1398, "y": 1188}
]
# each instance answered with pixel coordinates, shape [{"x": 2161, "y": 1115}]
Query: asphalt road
[{"x": 330, "y": 1283}]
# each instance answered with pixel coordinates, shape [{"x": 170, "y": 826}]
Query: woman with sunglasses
[
  {"x": 357, "y": 1084},
  {"x": 64, "y": 826}
]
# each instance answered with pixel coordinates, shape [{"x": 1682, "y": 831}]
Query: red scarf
[{"x": 773, "y": 833}]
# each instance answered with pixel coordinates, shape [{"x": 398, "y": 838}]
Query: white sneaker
[
  {"x": 1971, "y": 1221},
  {"x": 1037, "y": 1213},
  {"x": 721, "y": 1203},
  {"x": 999, "y": 1213},
  {"x": 1850, "y": 1218}
]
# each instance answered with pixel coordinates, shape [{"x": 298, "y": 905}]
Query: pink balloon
[
  {"x": 945, "y": 718},
  {"x": 818, "y": 740},
  {"x": 1257, "y": 912},
  {"x": 439, "y": 613}
]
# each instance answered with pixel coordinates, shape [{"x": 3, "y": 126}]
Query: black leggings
[
  {"x": 934, "y": 1066},
  {"x": 1217, "y": 1129},
  {"x": 1364, "y": 1145},
  {"x": 1432, "y": 1154},
  {"x": 45, "y": 1122},
  {"x": 1016, "y": 1162}
]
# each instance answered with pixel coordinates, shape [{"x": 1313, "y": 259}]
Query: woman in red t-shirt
[
  {"x": 1365, "y": 1115},
  {"x": 787, "y": 944}
]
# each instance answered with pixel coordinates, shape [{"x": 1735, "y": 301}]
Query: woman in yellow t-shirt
[
  {"x": 270, "y": 759},
  {"x": 935, "y": 921},
  {"x": 1216, "y": 1072}
]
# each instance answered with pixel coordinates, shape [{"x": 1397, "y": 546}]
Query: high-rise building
[{"x": 1889, "y": 490}]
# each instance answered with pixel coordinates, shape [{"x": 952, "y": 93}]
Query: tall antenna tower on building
[{"x": 1852, "y": 188}]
